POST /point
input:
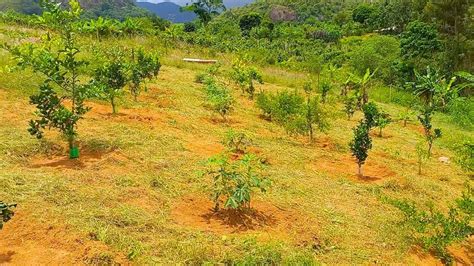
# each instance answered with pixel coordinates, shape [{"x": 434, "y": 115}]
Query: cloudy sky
[{"x": 228, "y": 3}]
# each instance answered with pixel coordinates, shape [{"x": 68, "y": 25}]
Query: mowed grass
[{"x": 138, "y": 165}]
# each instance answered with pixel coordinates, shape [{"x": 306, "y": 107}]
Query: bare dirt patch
[
  {"x": 23, "y": 241},
  {"x": 347, "y": 167},
  {"x": 463, "y": 254},
  {"x": 197, "y": 212},
  {"x": 87, "y": 158}
]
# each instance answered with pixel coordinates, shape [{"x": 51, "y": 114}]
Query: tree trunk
[
  {"x": 360, "y": 170},
  {"x": 114, "y": 108},
  {"x": 430, "y": 146},
  {"x": 380, "y": 132}
]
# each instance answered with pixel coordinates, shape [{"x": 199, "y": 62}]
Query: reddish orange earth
[{"x": 24, "y": 242}]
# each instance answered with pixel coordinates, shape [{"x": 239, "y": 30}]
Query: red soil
[
  {"x": 24, "y": 242},
  {"x": 463, "y": 254},
  {"x": 197, "y": 212},
  {"x": 346, "y": 166}
]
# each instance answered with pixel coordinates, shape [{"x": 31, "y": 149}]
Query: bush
[
  {"x": 189, "y": 27},
  {"x": 236, "y": 142},
  {"x": 219, "y": 98},
  {"x": 110, "y": 81},
  {"x": 280, "y": 107},
  {"x": 142, "y": 68},
  {"x": 435, "y": 230},
  {"x": 295, "y": 113},
  {"x": 245, "y": 77},
  {"x": 234, "y": 182},
  {"x": 6, "y": 212}
]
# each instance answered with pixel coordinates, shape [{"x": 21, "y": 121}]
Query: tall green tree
[{"x": 206, "y": 9}]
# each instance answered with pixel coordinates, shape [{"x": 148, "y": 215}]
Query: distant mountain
[
  {"x": 119, "y": 9},
  {"x": 169, "y": 11},
  {"x": 227, "y": 3}
]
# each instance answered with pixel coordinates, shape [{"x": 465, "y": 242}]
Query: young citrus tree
[
  {"x": 382, "y": 121},
  {"x": 219, "y": 98},
  {"x": 6, "y": 212},
  {"x": 142, "y": 68},
  {"x": 110, "y": 80},
  {"x": 246, "y": 77},
  {"x": 60, "y": 101},
  {"x": 361, "y": 144}
]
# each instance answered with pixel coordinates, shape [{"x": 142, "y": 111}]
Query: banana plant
[
  {"x": 129, "y": 27},
  {"x": 362, "y": 83},
  {"x": 100, "y": 27}
]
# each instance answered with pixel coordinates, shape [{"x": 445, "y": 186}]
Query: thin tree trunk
[
  {"x": 114, "y": 108},
  {"x": 360, "y": 170}
]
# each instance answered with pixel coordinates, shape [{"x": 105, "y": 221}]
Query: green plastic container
[{"x": 74, "y": 153}]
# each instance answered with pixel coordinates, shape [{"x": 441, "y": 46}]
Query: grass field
[{"x": 136, "y": 195}]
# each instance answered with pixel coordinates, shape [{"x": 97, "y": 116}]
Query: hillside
[
  {"x": 168, "y": 11},
  {"x": 280, "y": 133},
  {"x": 119, "y": 9}
]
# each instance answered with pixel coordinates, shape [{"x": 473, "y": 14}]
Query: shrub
[
  {"x": 295, "y": 113},
  {"x": 189, "y": 27},
  {"x": 234, "y": 182},
  {"x": 382, "y": 120},
  {"x": 249, "y": 21},
  {"x": 6, "y": 212},
  {"x": 435, "y": 230},
  {"x": 142, "y": 68},
  {"x": 406, "y": 116},
  {"x": 236, "y": 142},
  {"x": 280, "y": 107},
  {"x": 110, "y": 81},
  {"x": 219, "y": 98},
  {"x": 361, "y": 144},
  {"x": 245, "y": 77}
]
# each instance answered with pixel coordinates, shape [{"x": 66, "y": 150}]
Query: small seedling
[
  {"x": 234, "y": 182},
  {"x": 236, "y": 142},
  {"x": 6, "y": 211}
]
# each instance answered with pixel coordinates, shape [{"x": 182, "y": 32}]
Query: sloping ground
[{"x": 136, "y": 191}]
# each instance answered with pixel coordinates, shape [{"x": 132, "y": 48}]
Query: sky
[{"x": 228, "y": 3}]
